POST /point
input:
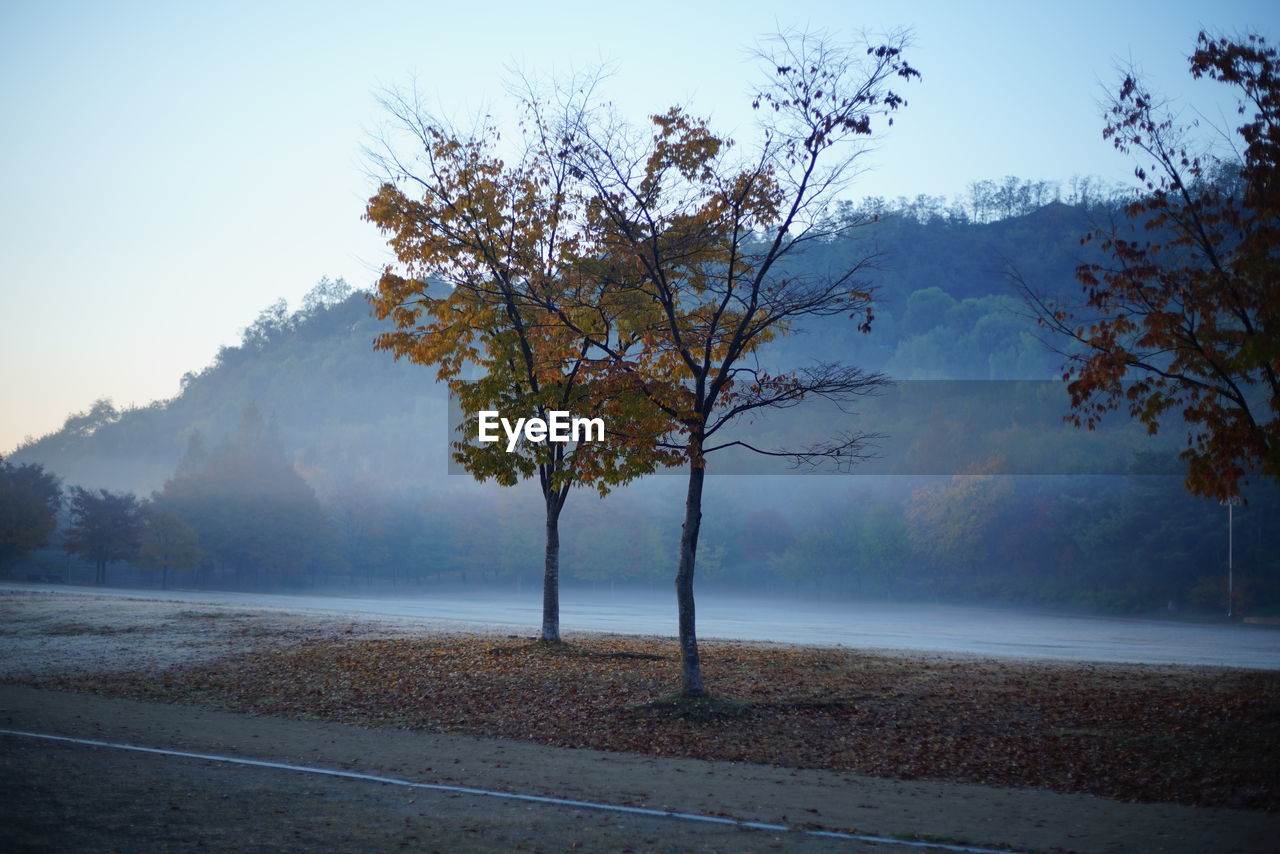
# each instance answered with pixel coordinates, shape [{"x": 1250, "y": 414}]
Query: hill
[
  {"x": 946, "y": 308},
  {"x": 368, "y": 437}
]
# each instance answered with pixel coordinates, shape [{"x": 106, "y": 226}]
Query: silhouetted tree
[
  {"x": 29, "y": 502},
  {"x": 102, "y": 412},
  {"x": 105, "y": 527}
]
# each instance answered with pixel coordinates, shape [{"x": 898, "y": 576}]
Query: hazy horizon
[{"x": 212, "y": 156}]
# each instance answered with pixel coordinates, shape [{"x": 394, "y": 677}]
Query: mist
[{"x": 303, "y": 460}]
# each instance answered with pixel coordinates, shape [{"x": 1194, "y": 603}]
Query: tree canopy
[
  {"x": 29, "y": 501},
  {"x": 167, "y": 542},
  {"x": 247, "y": 506},
  {"x": 1182, "y": 318},
  {"x": 498, "y": 241},
  {"x": 105, "y": 527},
  {"x": 696, "y": 239}
]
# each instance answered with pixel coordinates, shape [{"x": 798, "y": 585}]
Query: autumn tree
[
  {"x": 105, "y": 527},
  {"x": 167, "y": 542},
  {"x": 483, "y": 248},
  {"x": 29, "y": 501},
  {"x": 949, "y": 521},
  {"x": 697, "y": 238},
  {"x": 1182, "y": 318}
]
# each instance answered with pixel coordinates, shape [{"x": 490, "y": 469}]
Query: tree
[
  {"x": 763, "y": 533},
  {"x": 497, "y": 241},
  {"x": 248, "y": 506},
  {"x": 949, "y": 521},
  {"x": 1183, "y": 316},
  {"x": 325, "y": 294},
  {"x": 697, "y": 241},
  {"x": 102, "y": 413},
  {"x": 880, "y": 546},
  {"x": 29, "y": 501},
  {"x": 168, "y": 542},
  {"x": 106, "y": 527}
]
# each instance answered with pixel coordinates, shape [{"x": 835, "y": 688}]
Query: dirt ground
[
  {"x": 150, "y": 803},
  {"x": 57, "y": 796}
]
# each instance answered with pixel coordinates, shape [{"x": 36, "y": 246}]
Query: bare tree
[{"x": 695, "y": 240}]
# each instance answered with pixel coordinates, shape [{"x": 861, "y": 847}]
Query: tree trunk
[
  {"x": 691, "y": 670},
  {"x": 551, "y": 570}
]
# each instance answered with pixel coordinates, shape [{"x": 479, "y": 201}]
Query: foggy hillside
[
  {"x": 946, "y": 309},
  {"x": 350, "y": 447}
]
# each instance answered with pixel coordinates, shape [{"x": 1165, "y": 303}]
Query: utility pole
[{"x": 1232, "y": 503}]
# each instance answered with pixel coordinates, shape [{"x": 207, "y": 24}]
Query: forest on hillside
[{"x": 304, "y": 458}]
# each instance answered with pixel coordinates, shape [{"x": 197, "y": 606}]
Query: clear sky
[{"x": 169, "y": 169}]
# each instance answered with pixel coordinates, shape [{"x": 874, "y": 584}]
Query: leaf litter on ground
[{"x": 1202, "y": 736}]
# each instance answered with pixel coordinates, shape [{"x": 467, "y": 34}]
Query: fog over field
[
  {"x": 302, "y": 460},
  {"x": 943, "y": 629}
]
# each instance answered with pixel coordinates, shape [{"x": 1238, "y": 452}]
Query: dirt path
[
  {"x": 70, "y": 798},
  {"x": 174, "y": 802},
  {"x": 62, "y": 797}
]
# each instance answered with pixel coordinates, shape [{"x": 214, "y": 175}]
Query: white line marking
[{"x": 514, "y": 796}]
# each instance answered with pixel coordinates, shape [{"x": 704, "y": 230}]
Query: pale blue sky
[{"x": 167, "y": 170}]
